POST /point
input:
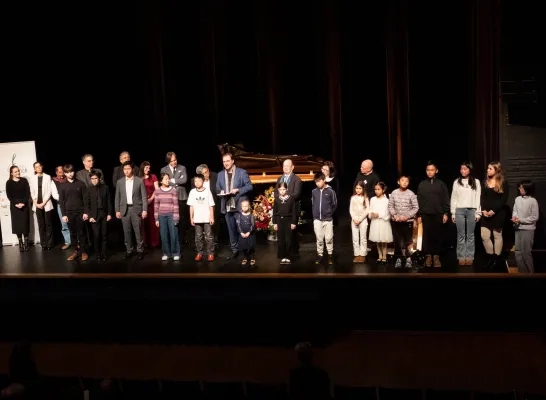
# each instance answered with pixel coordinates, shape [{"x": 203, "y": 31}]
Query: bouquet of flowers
[{"x": 263, "y": 210}]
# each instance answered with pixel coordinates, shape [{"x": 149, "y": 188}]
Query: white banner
[{"x": 22, "y": 154}]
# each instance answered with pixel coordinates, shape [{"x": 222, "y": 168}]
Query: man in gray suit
[
  {"x": 131, "y": 205},
  {"x": 178, "y": 178}
]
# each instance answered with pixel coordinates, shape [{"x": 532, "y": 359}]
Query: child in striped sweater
[{"x": 167, "y": 217}]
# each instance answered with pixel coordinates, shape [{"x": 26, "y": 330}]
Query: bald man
[
  {"x": 368, "y": 176},
  {"x": 294, "y": 189}
]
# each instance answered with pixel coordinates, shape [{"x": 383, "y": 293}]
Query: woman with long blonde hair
[{"x": 493, "y": 201}]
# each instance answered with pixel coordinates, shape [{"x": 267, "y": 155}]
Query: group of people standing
[
  {"x": 470, "y": 202},
  {"x": 159, "y": 210}
]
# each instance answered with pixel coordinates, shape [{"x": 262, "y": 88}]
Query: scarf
[{"x": 230, "y": 200}]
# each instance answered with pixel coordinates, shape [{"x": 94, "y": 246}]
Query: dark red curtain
[
  {"x": 485, "y": 16},
  {"x": 397, "y": 81},
  {"x": 332, "y": 61},
  {"x": 156, "y": 63}
]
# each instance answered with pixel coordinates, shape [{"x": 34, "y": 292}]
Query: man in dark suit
[
  {"x": 178, "y": 179},
  {"x": 294, "y": 184},
  {"x": 131, "y": 205},
  {"x": 210, "y": 182},
  {"x": 98, "y": 207},
  {"x": 232, "y": 185},
  {"x": 118, "y": 171},
  {"x": 84, "y": 174}
]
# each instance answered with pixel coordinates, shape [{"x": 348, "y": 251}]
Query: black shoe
[
  {"x": 489, "y": 261},
  {"x": 318, "y": 260},
  {"x": 233, "y": 255},
  {"x": 127, "y": 256},
  {"x": 141, "y": 255},
  {"x": 330, "y": 259}
]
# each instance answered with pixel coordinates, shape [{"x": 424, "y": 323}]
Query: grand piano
[{"x": 266, "y": 168}]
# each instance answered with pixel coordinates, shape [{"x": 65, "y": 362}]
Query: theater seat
[
  {"x": 400, "y": 394},
  {"x": 140, "y": 390},
  {"x": 448, "y": 395},
  {"x": 173, "y": 390},
  {"x": 495, "y": 396},
  {"x": 355, "y": 393},
  {"x": 223, "y": 391},
  {"x": 266, "y": 391}
]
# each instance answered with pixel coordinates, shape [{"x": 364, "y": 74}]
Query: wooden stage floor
[{"x": 53, "y": 263}]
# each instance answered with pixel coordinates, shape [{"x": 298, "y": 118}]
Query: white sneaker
[
  {"x": 176, "y": 258},
  {"x": 164, "y": 258},
  {"x": 287, "y": 261}
]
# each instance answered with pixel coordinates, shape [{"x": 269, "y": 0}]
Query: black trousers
[
  {"x": 284, "y": 237},
  {"x": 249, "y": 253},
  {"x": 78, "y": 230},
  {"x": 45, "y": 227},
  {"x": 433, "y": 233},
  {"x": 100, "y": 234},
  {"x": 402, "y": 233},
  {"x": 183, "y": 225},
  {"x": 295, "y": 250}
]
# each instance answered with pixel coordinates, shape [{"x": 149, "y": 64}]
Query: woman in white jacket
[
  {"x": 41, "y": 187},
  {"x": 466, "y": 211}
]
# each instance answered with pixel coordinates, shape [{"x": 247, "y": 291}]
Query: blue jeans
[
  {"x": 169, "y": 236},
  {"x": 65, "y": 231},
  {"x": 231, "y": 223},
  {"x": 465, "y": 219}
]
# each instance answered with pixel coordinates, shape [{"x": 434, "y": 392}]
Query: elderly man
[
  {"x": 368, "y": 176},
  {"x": 294, "y": 189},
  {"x": 84, "y": 174},
  {"x": 210, "y": 183}
]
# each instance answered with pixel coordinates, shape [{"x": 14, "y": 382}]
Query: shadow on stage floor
[{"x": 38, "y": 262}]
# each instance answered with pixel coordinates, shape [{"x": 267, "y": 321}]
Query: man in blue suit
[{"x": 232, "y": 185}]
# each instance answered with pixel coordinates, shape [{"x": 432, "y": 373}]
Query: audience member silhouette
[
  {"x": 23, "y": 374},
  {"x": 308, "y": 382}
]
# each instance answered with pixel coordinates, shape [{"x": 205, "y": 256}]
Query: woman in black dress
[
  {"x": 18, "y": 193},
  {"x": 493, "y": 201}
]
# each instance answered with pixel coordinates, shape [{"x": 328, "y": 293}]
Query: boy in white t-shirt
[{"x": 201, "y": 205}]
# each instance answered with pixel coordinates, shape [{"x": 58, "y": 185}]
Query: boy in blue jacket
[{"x": 324, "y": 204}]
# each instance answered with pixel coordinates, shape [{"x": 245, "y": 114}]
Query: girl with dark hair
[
  {"x": 433, "y": 199},
  {"x": 18, "y": 194},
  {"x": 380, "y": 227},
  {"x": 359, "y": 209},
  {"x": 525, "y": 217},
  {"x": 285, "y": 220},
  {"x": 465, "y": 212}
]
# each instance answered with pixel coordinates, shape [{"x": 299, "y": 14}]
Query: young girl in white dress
[
  {"x": 380, "y": 227},
  {"x": 359, "y": 208}
]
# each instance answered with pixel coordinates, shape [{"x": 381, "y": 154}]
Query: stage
[{"x": 38, "y": 263}]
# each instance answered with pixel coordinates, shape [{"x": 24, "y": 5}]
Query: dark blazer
[
  {"x": 118, "y": 174},
  {"x": 140, "y": 200},
  {"x": 85, "y": 176},
  {"x": 213, "y": 178},
  {"x": 294, "y": 186},
  {"x": 91, "y": 203},
  {"x": 241, "y": 181},
  {"x": 180, "y": 178}
]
